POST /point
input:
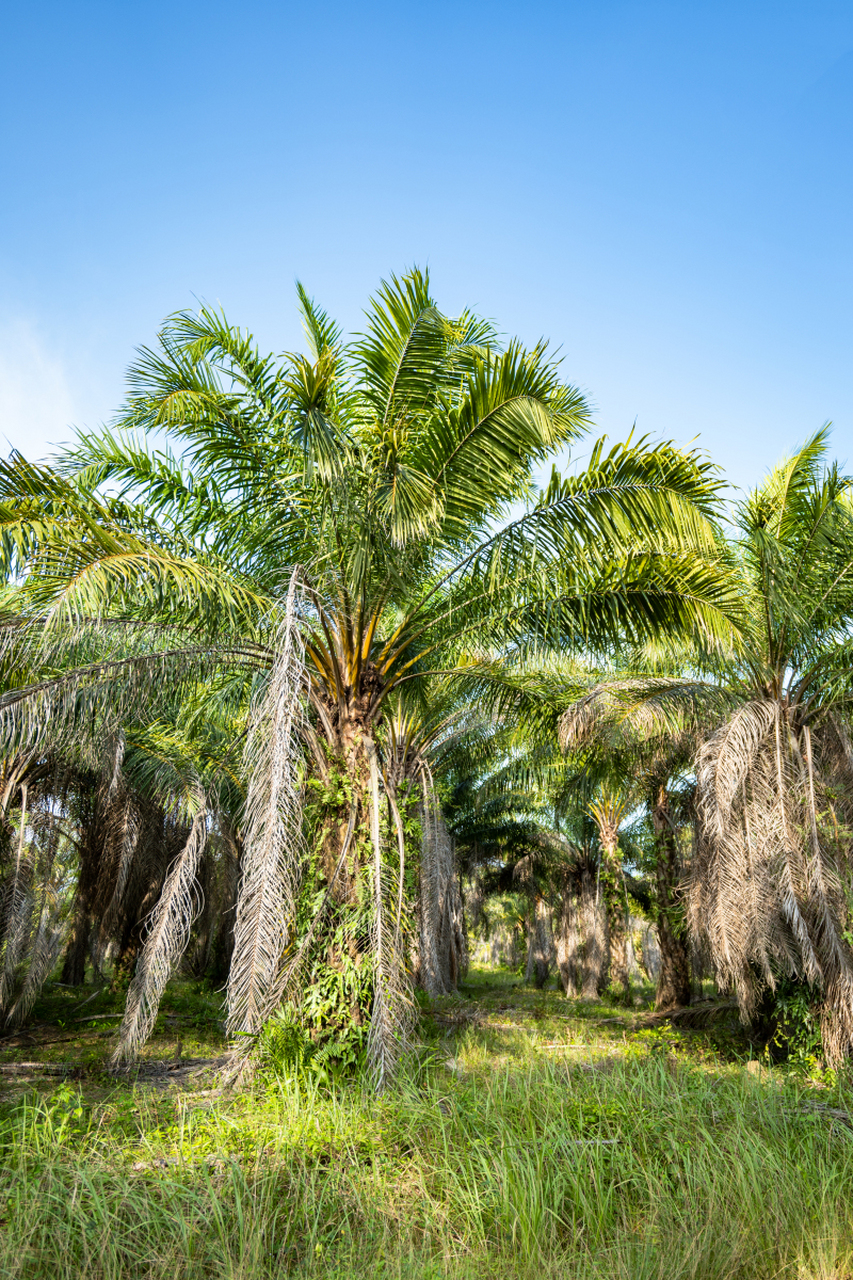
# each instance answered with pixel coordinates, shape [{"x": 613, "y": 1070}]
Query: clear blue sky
[{"x": 664, "y": 190}]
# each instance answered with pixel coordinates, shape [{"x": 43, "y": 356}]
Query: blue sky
[{"x": 663, "y": 190}]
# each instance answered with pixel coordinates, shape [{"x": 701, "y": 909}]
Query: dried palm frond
[
  {"x": 766, "y": 885},
  {"x": 430, "y": 903},
  {"x": 19, "y": 907},
  {"x": 441, "y": 943},
  {"x": 18, "y": 928},
  {"x": 390, "y": 1016},
  {"x": 266, "y": 902},
  {"x": 40, "y": 946},
  {"x": 166, "y": 939},
  {"x": 50, "y": 935}
]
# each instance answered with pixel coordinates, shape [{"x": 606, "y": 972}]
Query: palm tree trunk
[
  {"x": 567, "y": 941},
  {"x": 92, "y": 839},
  {"x": 613, "y": 893},
  {"x": 155, "y": 851},
  {"x": 594, "y": 950},
  {"x": 343, "y": 878},
  {"x": 442, "y": 950},
  {"x": 224, "y": 944},
  {"x": 674, "y": 986},
  {"x": 540, "y": 943}
]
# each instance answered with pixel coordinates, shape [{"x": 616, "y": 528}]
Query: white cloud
[{"x": 36, "y": 403}]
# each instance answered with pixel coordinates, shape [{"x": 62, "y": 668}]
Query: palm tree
[
  {"x": 608, "y": 810},
  {"x": 335, "y": 527},
  {"x": 770, "y": 877},
  {"x": 639, "y": 766},
  {"x": 772, "y": 871}
]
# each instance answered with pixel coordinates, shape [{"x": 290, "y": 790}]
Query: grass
[
  {"x": 78, "y": 1026},
  {"x": 532, "y": 1137}
]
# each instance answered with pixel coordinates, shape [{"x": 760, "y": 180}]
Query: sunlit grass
[{"x": 503, "y": 1153}]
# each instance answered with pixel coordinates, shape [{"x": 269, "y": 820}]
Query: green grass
[
  {"x": 78, "y": 1026},
  {"x": 506, "y": 1152}
]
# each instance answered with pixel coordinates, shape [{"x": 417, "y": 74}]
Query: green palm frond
[{"x": 323, "y": 334}]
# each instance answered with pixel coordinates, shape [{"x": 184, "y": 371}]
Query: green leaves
[
  {"x": 479, "y": 453},
  {"x": 399, "y": 359},
  {"x": 324, "y": 336},
  {"x": 795, "y": 561},
  {"x": 381, "y": 468}
]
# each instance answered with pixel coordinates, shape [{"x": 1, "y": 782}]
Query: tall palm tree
[
  {"x": 771, "y": 876},
  {"x": 772, "y": 872},
  {"x": 329, "y": 529},
  {"x": 641, "y": 765}
]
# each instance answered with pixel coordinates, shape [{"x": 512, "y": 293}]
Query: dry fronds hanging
[
  {"x": 19, "y": 906},
  {"x": 391, "y": 1013},
  {"x": 166, "y": 940},
  {"x": 768, "y": 873},
  {"x": 49, "y": 938},
  {"x": 441, "y": 942},
  {"x": 272, "y": 856}
]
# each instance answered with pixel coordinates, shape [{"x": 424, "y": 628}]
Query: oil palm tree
[
  {"x": 639, "y": 765},
  {"x": 771, "y": 876},
  {"x": 586, "y": 738},
  {"x": 774, "y": 783},
  {"x": 323, "y": 530}
]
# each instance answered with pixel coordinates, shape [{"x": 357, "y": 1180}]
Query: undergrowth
[{"x": 530, "y": 1137}]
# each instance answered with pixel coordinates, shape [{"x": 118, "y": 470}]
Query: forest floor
[{"x": 529, "y": 1136}]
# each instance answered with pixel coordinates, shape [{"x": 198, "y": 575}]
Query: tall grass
[{"x": 629, "y": 1166}]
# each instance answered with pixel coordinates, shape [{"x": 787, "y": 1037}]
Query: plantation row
[{"x": 309, "y": 691}]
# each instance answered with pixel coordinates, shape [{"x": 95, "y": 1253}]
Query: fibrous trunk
[
  {"x": 92, "y": 845},
  {"x": 771, "y": 871},
  {"x": 593, "y": 925},
  {"x": 442, "y": 949},
  {"x": 567, "y": 944},
  {"x": 613, "y": 894},
  {"x": 540, "y": 943},
  {"x": 674, "y": 985},
  {"x": 158, "y": 843}
]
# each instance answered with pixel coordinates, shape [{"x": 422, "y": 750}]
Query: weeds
[{"x": 636, "y": 1154}]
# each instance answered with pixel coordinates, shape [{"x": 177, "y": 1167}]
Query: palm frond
[
  {"x": 165, "y": 942},
  {"x": 273, "y": 839},
  {"x": 390, "y": 1015}
]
